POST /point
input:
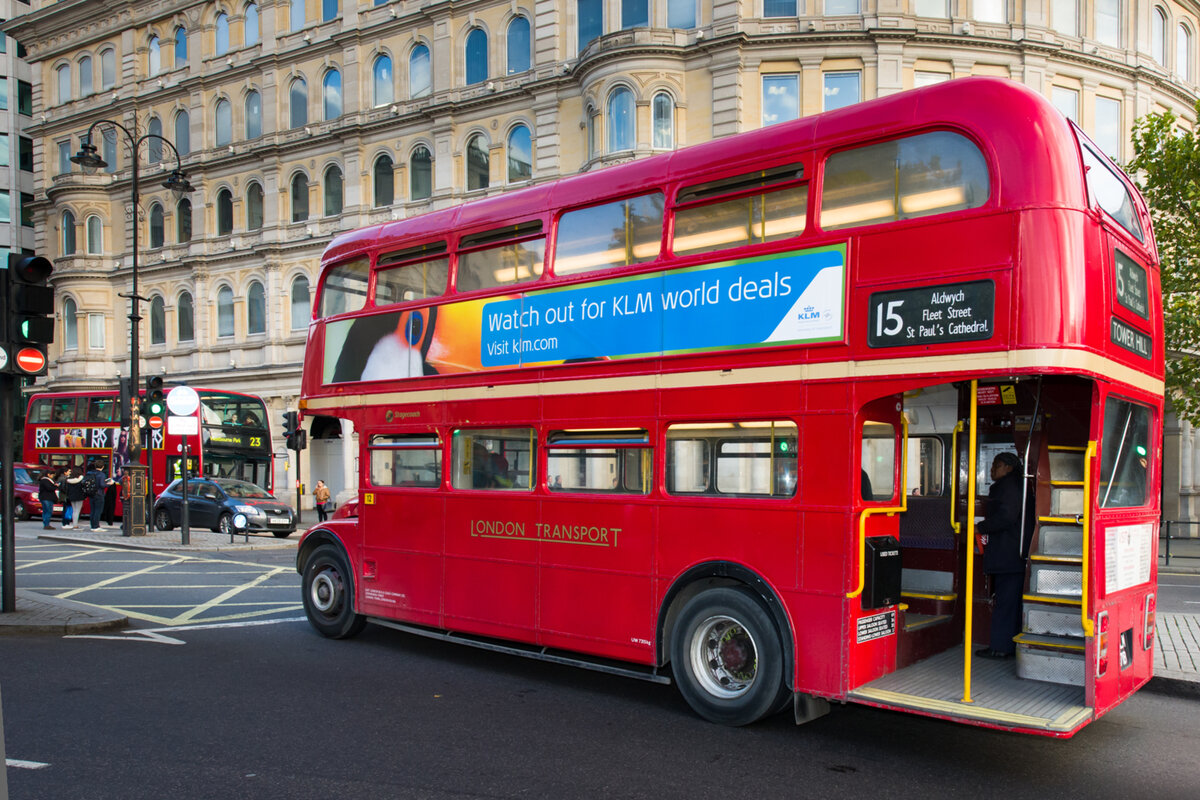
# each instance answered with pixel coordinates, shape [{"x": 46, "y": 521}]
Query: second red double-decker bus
[{"x": 727, "y": 415}]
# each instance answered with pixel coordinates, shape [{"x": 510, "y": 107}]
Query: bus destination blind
[{"x": 959, "y": 312}]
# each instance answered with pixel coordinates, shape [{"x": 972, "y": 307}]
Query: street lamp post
[{"x": 135, "y": 487}]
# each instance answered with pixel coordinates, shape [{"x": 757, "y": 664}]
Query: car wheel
[
  {"x": 225, "y": 524},
  {"x": 329, "y": 594},
  {"x": 20, "y": 512},
  {"x": 162, "y": 520},
  {"x": 283, "y": 534},
  {"x": 727, "y": 657}
]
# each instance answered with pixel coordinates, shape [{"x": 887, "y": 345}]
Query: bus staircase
[{"x": 1045, "y": 691}]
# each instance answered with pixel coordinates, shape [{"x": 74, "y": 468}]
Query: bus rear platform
[{"x": 934, "y": 687}]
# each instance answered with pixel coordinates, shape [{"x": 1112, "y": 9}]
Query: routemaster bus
[
  {"x": 724, "y": 417},
  {"x": 71, "y": 428}
]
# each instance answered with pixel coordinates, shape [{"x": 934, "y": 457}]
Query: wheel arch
[
  {"x": 314, "y": 539},
  {"x": 723, "y": 573}
]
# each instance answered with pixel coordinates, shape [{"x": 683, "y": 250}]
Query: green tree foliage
[{"x": 1167, "y": 159}]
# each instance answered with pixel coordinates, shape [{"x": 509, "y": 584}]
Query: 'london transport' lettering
[{"x": 594, "y": 535}]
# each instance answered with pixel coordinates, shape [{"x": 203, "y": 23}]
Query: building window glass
[
  {"x": 63, "y": 75},
  {"x": 590, "y": 14},
  {"x": 299, "y": 197},
  {"x": 296, "y": 15},
  {"x": 4, "y": 94},
  {"x": 256, "y": 309},
  {"x": 421, "y": 174},
  {"x": 67, "y": 224},
  {"x": 840, "y": 8},
  {"x": 681, "y": 14},
  {"x": 779, "y": 8},
  {"x": 64, "y": 158},
  {"x": 224, "y": 212},
  {"x": 420, "y": 83},
  {"x": 25, "y": 98},
  {"x": 96, "y": 332},
  {"x": 26, "y": 210},
  {"x": 663, "y": 113},
  {"x": 1158, "y": 35},
  {"x": 251, "y": 25},
  {"x": 842, "y": 89},
  {"x": 224, "y": 119},
  {"x": 85, "y": 76},
  {"x": 1066, "y": 101},
  {"x": 520, "y": 154},
  {"x": 185, "y": 316},
  {"x": 329, "y": 10},
  {"x": 5, "y": 206},
  {"x": 183, "y": 133},
  {"x": 70, "y": 313},
  {"x": 933, "y": 8},
  {"x": 781, "y": 98},
  {"x": 333, "y": 191},
  {"x": 154, "y": 144},
  {"x": 95, "y": 236},
  {"x": 108, "y": 69},
  {"x": 518, "y": 45},
  {"x": 1108, "y": 127},
  {"x": 183, "y": 221},
  {"x": 301, "y": 303},
  {"x": 331, "y": 91},
  {"x": 222, "y": 34},
  {"x": 298, "y": 103},
  {"x": 1108, "y": 22},
  {"x": 109, "y": 145},
  {"x": 621, "y": 119},
  {"x": 1065, "y": 16},
  {"x": 158, "y": 320},
  {"x": 478, "y": 166},
  {"x": 224, "y": 311},
  {"x": 253, "y": 115},
  {"x": 157, "y": 235},
  {"x": 382, "y": 72},
  {"x": 154, "y": 56},
  {"x": 989, "y": 10},
  {"x": 384, "y": 181},
  {"x": 5, "y": 150},
  {"x": 635, "y": 14},
  {"x": 929, "y": 78},
  {"x": 181, "y": 53},
  {"x": 1183, "y": 51},
  {"x": 254, "y": 207},
  {"x": 477, "y": 56}
]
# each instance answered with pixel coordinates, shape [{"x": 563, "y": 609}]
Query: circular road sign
[
  {"x": 3, "y": 358},
  {"x": 31, "y": 360},
  {"x": 182, "y": 401},
  {"x": 156, "y": 422}
]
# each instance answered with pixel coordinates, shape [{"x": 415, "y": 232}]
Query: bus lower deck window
[
  {"x": 747, "y": 458},
  {"x": 411, "y": 461},
  {"x": 498, "y": 458}
]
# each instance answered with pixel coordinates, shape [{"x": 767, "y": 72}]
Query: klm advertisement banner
[{"x": 790, "y": 298}]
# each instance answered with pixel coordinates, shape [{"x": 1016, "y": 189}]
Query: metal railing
[{"x": 1190, "y": 552}]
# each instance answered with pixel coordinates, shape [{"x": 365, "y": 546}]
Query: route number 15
[{"x": 887, "y": 321}]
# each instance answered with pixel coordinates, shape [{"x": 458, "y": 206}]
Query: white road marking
[
  {"x": 19, "y": 764},
  {"x": 156, "y": 634}
]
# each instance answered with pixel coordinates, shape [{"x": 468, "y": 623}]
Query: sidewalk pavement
[{"x": 1176, "y": 655}]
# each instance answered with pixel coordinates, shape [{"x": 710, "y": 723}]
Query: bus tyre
[
  {"x": 726, "y": 657},
  {"x": 162, "y": 520},
  {"x": 328, "y": 594}
]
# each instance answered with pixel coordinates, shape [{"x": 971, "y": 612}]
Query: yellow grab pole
[
  {"x": 954, "y": 523},
  {"x": 1085, "y": 620},
  {"x": 970, "y": 604}
]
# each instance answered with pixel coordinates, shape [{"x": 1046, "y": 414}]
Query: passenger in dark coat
[{"x": 1003, "y": 555}]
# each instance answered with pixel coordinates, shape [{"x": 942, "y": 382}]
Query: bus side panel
[
  {"x": 596, "y": 576},
  {"x": 964, "y": 249},
  {"x": 402, "y": 548},
  {"x": 491, "y": 566},
  {"x": 1052, "y": 304},
  {"x": 819, "y": 646}
]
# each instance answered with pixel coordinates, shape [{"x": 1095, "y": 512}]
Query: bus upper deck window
[
  {"x": 917, "y": 176},
  {"x": 345, "y": 288},
  {"x": 610, "y": 235},
  {"x": 415, "y": 281},
  {"x": 512, "y": 254},
  {"x": 773, "y": 212},
  {"x": 1109, "y": 191}
]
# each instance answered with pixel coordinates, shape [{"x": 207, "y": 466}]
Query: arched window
[
  {"x": 108, "y": 69},
  {"x": 63, "y": 74},
  {"x": 298, "y": 95},
  {"x": 301, "y": 303},
  {"x": 664, "y": 121},
  {"x": 518, "y": 45},
  {"x": 224, "y": 212},
  {"x": 183, "y": 133},
  {"x": 1158, "y": 35},
  {"x": 254, "y": 207},
  {"x": 70, "y": 314},
  {"x": 590, "y": 14},
  {"x": 251, "y": 25},
  {"x": 95, "y": 236},
  {"x": 382, "y": 93},
  {"x": 154, "y": 144},
  {"x": 224, "y": 117},
  {"x": 181, "y": 54},
  {"x": 299, "y": 197},
  {"x": 477, "y": 56},
  {"x": 183, "y": 221},
  {"x": 1183, "y": 52},
  {"x": 225, "y": 311},
  {"x": 154, "y": 57},
  {"x": 85, "y": 76},
  {"x": 385, "y": 181},
  {"x": 68, "y": 233},
  {"x": 157, "y": 234},
  {"x": 297, "y": 15},
  {"x": 620, "y": 120},
  {"x": 331, "y": 91},
  {"x": 420, "y": 171},
  {"x": 158, "y": 320},
  {"x": 329, "y": 10},
  {"x": 333, "y": 190},
  {"x": 222, "y": 34},
  {"x": 253, "y": 115},
  {"x": 420, "y": 83},
  {"x": 520, "y": 154},
  {"x": 478, "y": 167},
  {"x": 185, "y": 315},
  {"x": 256, "y": 309}
]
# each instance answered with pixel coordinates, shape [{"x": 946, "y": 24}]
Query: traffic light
[
  {"x": 156, "y": 402},
  {"x": 126, "y": 409},
  {"x": 291, "y": 424},
  {"x": 29, "y": 304}
]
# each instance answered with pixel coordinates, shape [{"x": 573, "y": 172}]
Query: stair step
[
  {"x": 1072, "y": 644},
  {"x": 1037, "y": 663},
  {"x": 915, "y": 622},
  {"x": 1061, "y": 600},
  {"x": 1060, "y": 540},
  {"x": 1055, "y": 559},
  {"x": 1057, "y": 580},
  {"x": 927, "y": 583},
  {"x": 1051, "y": 620},
  {"x": 1066, "y": 501},
  {"x": 1066, "y": 465}
]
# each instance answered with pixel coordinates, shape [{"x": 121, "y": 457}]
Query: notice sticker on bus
[{"x": 876, "y": 626}]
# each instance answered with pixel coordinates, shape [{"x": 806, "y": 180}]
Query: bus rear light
[
  {"x": 1101, "y": 643},
  {"x": 1148, "y": 622}
]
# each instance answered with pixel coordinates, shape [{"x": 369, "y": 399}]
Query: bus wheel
[
  {"x": 162, "y": 520},
  {"x": 327, "y": 594},
  {"x": 726, "y": 657}
]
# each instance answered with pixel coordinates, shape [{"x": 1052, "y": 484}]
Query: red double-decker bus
[{"x": 726, "y": 416}]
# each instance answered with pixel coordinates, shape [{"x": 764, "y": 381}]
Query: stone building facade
[{"x": 297, "y": 119}]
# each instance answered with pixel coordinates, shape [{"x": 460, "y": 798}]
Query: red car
[{"x": 25, "y": 491}]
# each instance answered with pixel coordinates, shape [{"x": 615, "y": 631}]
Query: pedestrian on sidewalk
[
  {"x": 47, "y": 495},
  {"x": 73, "y": 486},
  {"x": 321, "y": 497},
  {"x": 95, "y": 485}
]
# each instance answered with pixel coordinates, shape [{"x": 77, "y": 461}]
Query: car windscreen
[
  {"x": 22, "y": 475},
  {"x": 244, "y": 490}
]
